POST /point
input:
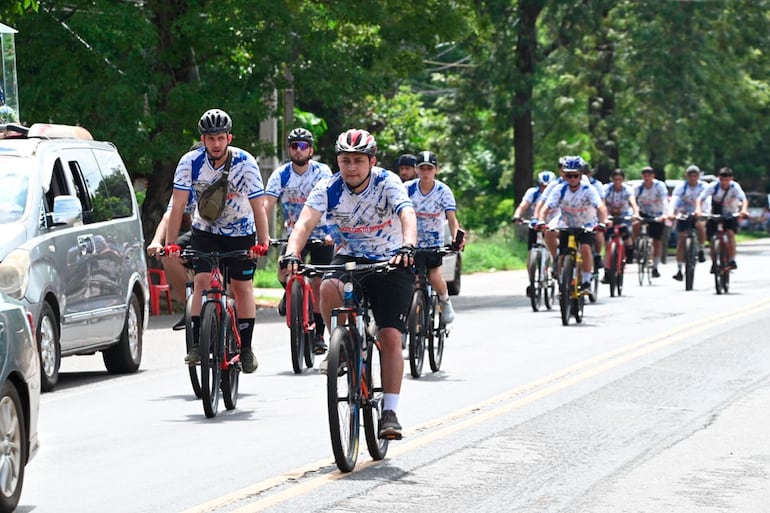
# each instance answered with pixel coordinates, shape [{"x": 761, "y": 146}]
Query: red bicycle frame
[
  {"x": 216, "y": 293},
  {"x": 308, "y": 302}
]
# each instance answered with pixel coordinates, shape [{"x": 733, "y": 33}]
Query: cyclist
[
  {"x": 406, "y": 166},
  {"x": 527, "y": 205},
  {"x": 581, "y": 207},
  {"x": 727, "y": 197},
  {"x": 683, "y": 201},
  {"x": 588, "y": 172},
  {"x": 433, "y": 200},
  {"x": 243, "y": 215},
  {"x": 621, "y": 202},
  {"x": 652, "y": 198},
  {"x": 371, "y": 219},
  {"x": 291, "y": 184}
]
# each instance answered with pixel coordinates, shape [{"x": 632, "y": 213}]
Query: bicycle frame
[
  {"x": 720, "y": 253},
  {"x": 616, "y": 255},
  {"x": 572, "y": 300},
  {"x": 690, "y": 248},
  {"x": 539, "y": 269},
  {"x": 643, "y": 253}
]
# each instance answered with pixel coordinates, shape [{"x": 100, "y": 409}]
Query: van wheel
[
  {"x": 126, "y": 355},
  {"x": 48, "y": 347},
  {"x": 14, "y": 436}
]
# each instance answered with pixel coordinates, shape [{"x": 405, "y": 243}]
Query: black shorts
[
  {"x": 582, "y": 237},
  {"x": 727, "y": 224},
  {"x": 531, "y": 238},
  {"x": 431, "y": 260},
  {"x": 625, "y": 233},
  {"x": 390, "y": 294},
  {"x": 655, "y": 230},
  {"x": 237, "y": 269},
  {"x": 682, "y": 225}
]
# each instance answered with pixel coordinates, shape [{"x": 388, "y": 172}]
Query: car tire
[
  {"x": 48, "y": 347},
  {"x": 454, "y": 286},
  {"x": 126, "y": 355},
  {"x": 14, "y": 433}
]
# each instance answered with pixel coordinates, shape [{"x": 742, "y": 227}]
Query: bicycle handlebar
[
  {"x": 438, "y": 250},
  {"x": 214, "y": 256},
  {"x": 347, "y": 267}
]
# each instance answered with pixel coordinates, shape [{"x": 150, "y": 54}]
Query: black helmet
[
  {"x": 215, "y": 121},
  {"x": 300, "y": 134}
]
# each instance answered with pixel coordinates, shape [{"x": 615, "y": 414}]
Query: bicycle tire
[
  {"x": 535, "y": 281},
  {"x": 565, "y": 290},
  {"x": 377, "y": 447},
  {"x": 418, "y": 331},
  {"x": 341, "y": 399},
  {"x": 621, "y": 265},
  {"x": 612, "y": 267},
  {"x": 194, "y": 370},
  {"x": 689, "y": 262},
  {"x": 716, "y": 247},
  {"x": 437, "y": 337},
  {"x": 578, "y": 306},
  {"x": 296, "y": 327},
  {"x": 644, "y": 257},
  {"x": 210, "y": 362},
  {"x": 231, "y": 375},
  {"x": 548, "y": 282},
  {"x": 725, "y": 265}
]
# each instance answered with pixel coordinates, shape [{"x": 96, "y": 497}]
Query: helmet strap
[{"x": 354, "y": 187}]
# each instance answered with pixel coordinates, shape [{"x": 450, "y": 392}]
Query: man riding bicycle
[
  {"x": 581, "y": 207},
  {"x": 652, "y": 198},
  {"x": 683, "y": 202},
  {"x": 291, "y": 184},
  {"x": 243, "y": 215},
  {"x": 371, "y": 219},
  {"x": 621, "y": 202},
  {"x": 727, "y": 198}
]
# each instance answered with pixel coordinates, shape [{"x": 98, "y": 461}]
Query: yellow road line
[{"x": 476, "y": 414}]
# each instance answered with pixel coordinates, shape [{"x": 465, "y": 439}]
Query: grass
[{"x": 498, "y": 252}]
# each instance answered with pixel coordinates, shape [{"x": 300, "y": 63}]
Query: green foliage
[{"x": 496, "y": 252}]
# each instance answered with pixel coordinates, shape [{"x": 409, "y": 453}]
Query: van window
[{"x": 114, "y": 193}]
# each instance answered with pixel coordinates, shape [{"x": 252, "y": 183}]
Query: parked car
[
  {"x": 451, "y": 266},
  {"x": 73, "y": 248},
  {"x": 19, "y": 399}
]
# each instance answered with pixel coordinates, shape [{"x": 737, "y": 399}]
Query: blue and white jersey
[
  {"x": 431, "y": 211},
  {"x": 555, "y": 212},
  {"x": 194, "y": 174},
  {"x": 729, "y": 200},
  {"x": 618, "y": 201},
  {"x": 653, "y": 201},
  {"x": 684, "y": 197},
  {"x": 364, "y": 224},
  {"x": 598, "y": 185},
  {"x": 292, "y": 190},
  {"x": 532, "y": 196},
  {"x": 189, "y": 208},
  {"x": 578, "y": 208}
]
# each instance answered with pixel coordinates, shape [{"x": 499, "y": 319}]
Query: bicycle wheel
[
  {"x": 621, "y": 269},
  {"x": 613, "y": 267},
  {"x": 724, "y": 264},
  {"x": 578, "y": 304},
  {"x": 643, "y": 255},
  {"x": 210, "y": 359},
  {"x": 565, "y": 290},
  {"x": 548, "y": 281},
  {"x": 418, "y": 331},
  {"x": 690, "y": 253},
  {"x": 231, "y": 375},
  {"x": 378, "y": 447},
  {"x": 194, "y": 370},
  {"x": 716, "y": 248},
  {"x": 535, "y": 281},
  {"x": 341, "y": 399},
  {"x": 437, "y": 337},
  {"x": 296, "y": 328}
]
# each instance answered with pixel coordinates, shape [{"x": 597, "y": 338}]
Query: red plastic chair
[{"x": 158, "y": 285}]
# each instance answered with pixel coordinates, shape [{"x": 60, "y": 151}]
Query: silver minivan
[{"x": 72, "y": 247}]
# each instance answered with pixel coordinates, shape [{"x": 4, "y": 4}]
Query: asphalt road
[{"x": 656, "y": 402}]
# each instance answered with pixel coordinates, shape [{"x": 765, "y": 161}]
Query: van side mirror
[{"x": 67, "y": 211}]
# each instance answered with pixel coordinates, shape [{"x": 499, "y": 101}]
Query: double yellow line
[{"x": 472, "y": 415}]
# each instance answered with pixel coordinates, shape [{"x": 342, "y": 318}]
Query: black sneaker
[
  {"x": 587, "y": 290},
  {"x": 678, "y": 276},
  {"x": 179, "y": 325},
  {"x": 248, "y": 360},
  {"x": 282, "y": 306},
  {"x": 194, "y": 356},
  {"x": 701, "y": 256},
  {"x": 732, "y": 265},
  {"x": 605, "y": 278},
  {"x": 655, "y": 273},
  {"x": 714, "y": 269},
  {"x": 530, "y": 290},
  {"x": 389, "y": 426},
  {"x": 319, "y": 346}
]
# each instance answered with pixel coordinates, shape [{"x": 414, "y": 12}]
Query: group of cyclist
[
  {"x": 363, "y": 213},
  {"x": 575, "y": 199}
]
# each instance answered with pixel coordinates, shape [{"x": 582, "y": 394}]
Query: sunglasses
[
  {"x": 299, "y": 145},
  {"x": 570, "y": 176}
]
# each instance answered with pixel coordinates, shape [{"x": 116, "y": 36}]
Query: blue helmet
[
  {"x": 545, "y": 177},
  {"x": 573, "y": 164}
]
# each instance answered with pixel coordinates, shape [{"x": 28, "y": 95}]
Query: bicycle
[
  {"x": 353, "y": 381},
  {"x": 425, "y": 319},
  {"x": 690, "y": 249},
  {"x": 720, "y": 257},
  {"x": 219, "y": 339},
  {"x": 643, "y": 249},
  {"x": 300, "y": 318},
  {"x": 542, "y": 286},
  {"x": 616, "y": 255},
  {"x": 571, "y": 298}
]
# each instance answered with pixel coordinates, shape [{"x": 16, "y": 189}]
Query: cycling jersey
[
  {"x": 598, "y": 185},
  {"x": 685, "y": 195},
  {"x": 724, "y": 201},
  {"x": 194, "y": 174},
  {"x": 554, "y": 214},
  {"x": 578, "y": 208},
  {"x": 532, "y": 195},
  {"x": 618, "y": 201},
  {"x": 292, "y": 190},
  {"x": 652, "y": 201},
  {"x": 431, "y": 211},
  {"x": 365, "y": 224}
]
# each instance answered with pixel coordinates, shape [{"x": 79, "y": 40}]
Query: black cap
[{"x": 426, "y": 157}]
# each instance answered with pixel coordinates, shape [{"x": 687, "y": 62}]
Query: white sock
[
  {"x": 679, "y": 266},
  {"x": 444, "y": 297},
  {"x": 587, "y": 276},
  {"x": 655, "y": 262},
  {"x": 389, "y": 401}
]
